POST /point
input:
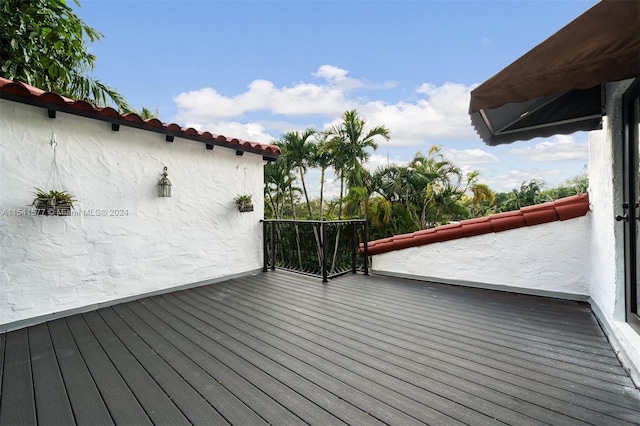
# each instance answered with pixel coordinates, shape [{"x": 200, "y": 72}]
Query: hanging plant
[
  {"x": 243, "y": 203},
  {"x": 53, "y": 203}
]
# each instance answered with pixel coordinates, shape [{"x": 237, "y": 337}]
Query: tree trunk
[{"x": 293, "y": 213}]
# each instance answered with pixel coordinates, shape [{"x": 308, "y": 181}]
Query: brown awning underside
[{"x": 556, "y": 87}]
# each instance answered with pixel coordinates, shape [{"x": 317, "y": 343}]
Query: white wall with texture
[
  {"x": 124, "y": 240},
  {"x": 543, "y": 259},
  {"x": 607, "y": 279}
]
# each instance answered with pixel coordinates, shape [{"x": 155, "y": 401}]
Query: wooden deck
[{"x": 284, "y": 349}]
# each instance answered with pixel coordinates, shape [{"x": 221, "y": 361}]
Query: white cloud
[
  {"x": 331, "y": 73},
  {"x": 207, "y": 105},
  {"x": 437, "y": 112},
  {"x": 506, "y": 181},
  {"x": 233, "y": 129},
  {"x": 440, "y": 114},
  {"x": 560, "y": 148},
  {"x": 377, "y": 161},
  {"x": 470, "y": 156}
]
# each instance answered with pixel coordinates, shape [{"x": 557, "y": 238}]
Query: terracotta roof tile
[
  {"x": 563, "y": 209},
  {"x": 24, "y": 93}
]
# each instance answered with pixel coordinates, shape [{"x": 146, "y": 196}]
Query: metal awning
[{"x": 558, "y": 86}]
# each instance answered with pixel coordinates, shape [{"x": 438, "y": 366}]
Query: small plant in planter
[
  {"x": 53, "y": 203},
  {"x": 243, "y": 203}
]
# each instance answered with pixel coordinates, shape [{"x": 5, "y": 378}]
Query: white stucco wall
[
  {"x": 53, "y": 264},
  {"x": 544, "y": 259},
  {"x": 607, "y": 281}
]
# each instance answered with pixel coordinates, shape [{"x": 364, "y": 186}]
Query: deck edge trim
[{"x": 621, "y": 353}]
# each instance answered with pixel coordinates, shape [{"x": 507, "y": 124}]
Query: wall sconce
[{"x": 164, "y": 185}]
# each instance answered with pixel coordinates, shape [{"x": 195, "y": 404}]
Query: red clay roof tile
[
  {"x": 563, "y": 209},
  {"x": 24, "y": 93}
]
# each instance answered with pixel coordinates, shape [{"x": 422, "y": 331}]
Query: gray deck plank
[
  {"x": 195, "y": 407},
  {"x": 161, "y": 410},
  {"x": 375, "y": 367},
  {"x": 357, "y": 396},
  {"x": 398, "y": 320},
  {"x": 228, "y": 405},
  {"x": 309, "y": 408},
  {"x": 418, "y": 308},
  {"x": 52, "y": 403},
  {"x": 386, "y": 362},
  {"x": 496, "y": 353},
  {"x": 444, "y": 376},
  {"x": 18, "y": 405},
  {"x": 303, "y": 385},
  {"x": 480, "y": 317},
  {"x": 494, "y": 357},
  {"x": 255, "y": 394},
  {"x": 456, "y": 300},
  {"x": 441, "y": 340},
  {"x": 86, "y": 401},
  {"x": 282, "y": 348},
  {"x": 418, "y": 404},
  {"x": 122, "y": 404}
]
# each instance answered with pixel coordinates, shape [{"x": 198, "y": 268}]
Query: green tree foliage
[
  {"x": 534, "y": 192},
  {"x": 146, "y": 113},
  {"x": 279, "y": 190},
  {"x": 42, "y": 43},
  {"x": 576, "y": 185},
  {"x": 481, "y": 201},
  {"x": 349, "y": 146},
  {"x": 395, "y": 199},
  {"x": 429, "y": 191},
  {"x": 321, "y": 158},
  {"x": 297, "y": 153}
]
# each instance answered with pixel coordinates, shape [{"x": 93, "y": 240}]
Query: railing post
[
  {"x": 354, "y": 246},
  {"x": 273, "y": 246},
  {"x": 324, "y": 252},
  {"x": 366, "y": 247},
  {"x": 265, "y": 251}
]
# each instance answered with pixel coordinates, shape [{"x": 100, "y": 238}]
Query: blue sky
[{"x": 254, "y": 70}]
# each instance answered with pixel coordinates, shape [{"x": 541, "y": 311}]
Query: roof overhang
[
  {"x": 23, "y": 93},
  {"x": 558, "y": 86}
]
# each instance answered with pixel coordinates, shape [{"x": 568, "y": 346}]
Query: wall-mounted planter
[
  {"x": 53, "y": 209},
  {"x": 243, "y": 203},
  {"x": 53, "y": 203}
]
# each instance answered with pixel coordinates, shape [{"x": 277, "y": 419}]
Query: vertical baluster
[{"x": 273, "y": 246}]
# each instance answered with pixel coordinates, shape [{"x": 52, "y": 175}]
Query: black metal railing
[{"x": 324, "y": 249}]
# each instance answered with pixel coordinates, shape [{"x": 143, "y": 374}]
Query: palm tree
[
  {"x": 483, "y": 198},
  {"x": 297, "y": 150},
  {"x": 146, "y": 113},
  {"x": 321, "y": 157},
  {"x": 349, "y": 144},
  {"x": 277, "y": 182}
]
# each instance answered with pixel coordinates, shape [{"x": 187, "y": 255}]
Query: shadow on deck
[{"x": 282, "y": 348}]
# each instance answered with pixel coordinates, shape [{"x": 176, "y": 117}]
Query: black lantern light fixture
[{"x": 164, "y": 185}]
